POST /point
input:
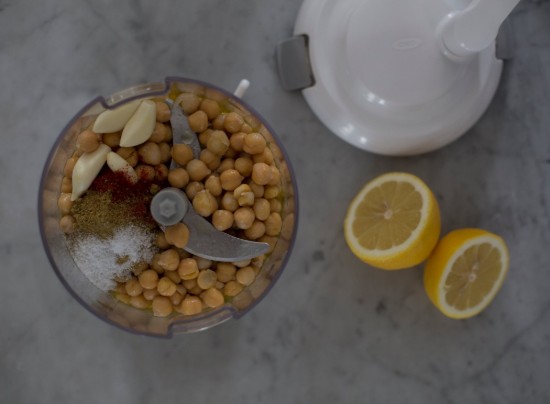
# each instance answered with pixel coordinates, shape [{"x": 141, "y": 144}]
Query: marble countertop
[{"x": 332, "y": 330}]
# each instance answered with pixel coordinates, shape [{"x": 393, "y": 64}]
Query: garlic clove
[
  {"x": 140, "y": 126},
  {"x": 117, "y": 164},
  {"x": 86, "y": 169},
  {"x": 113, "y": 120}
]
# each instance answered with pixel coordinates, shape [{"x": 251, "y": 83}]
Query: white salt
[{"x": 103, "y": 260}]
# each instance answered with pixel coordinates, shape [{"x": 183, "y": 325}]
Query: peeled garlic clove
[
  {"x": 86, "y": 169},
  {"x": 140, "y": 126},
  {"x": 114, "y": 120},
  {"x": 117, "y": 164}
]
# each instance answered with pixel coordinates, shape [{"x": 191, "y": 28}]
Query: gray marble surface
[{"x": 333, "y": 330}]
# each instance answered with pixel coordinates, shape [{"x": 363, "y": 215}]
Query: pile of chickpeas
[{"x": 235, "y": 184}]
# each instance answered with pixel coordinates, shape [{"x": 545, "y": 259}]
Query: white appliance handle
[{"x": 473, "y": 29}]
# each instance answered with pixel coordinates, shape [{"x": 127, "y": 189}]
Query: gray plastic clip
[{"x": 293, "y": 63}]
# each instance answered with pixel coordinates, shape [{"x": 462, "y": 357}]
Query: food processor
[
  {"x": 397, "y": 77},
  {"x": 102, "y": 303}
]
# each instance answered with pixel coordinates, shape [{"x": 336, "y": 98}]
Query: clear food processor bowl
[{"x": 104, "y": 304}]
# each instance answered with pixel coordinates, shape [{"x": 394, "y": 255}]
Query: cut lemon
[
  {"x": 393, "y": 222},
  {"x": 465, "y": 272}
]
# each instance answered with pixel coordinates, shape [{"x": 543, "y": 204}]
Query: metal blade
[
  {"x": 207, "y": 242},
  {"x": 181, "y": 132}
]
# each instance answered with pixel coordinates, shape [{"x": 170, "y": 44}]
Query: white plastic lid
[{"x": 384, "y": 82}]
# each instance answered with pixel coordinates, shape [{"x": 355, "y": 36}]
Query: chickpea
[
  {"x": 255, "y": 231},
  {"x": 123, "y": 297},
  {"x": 210, "y": 107},
  {"x": 211, "y": 160},
  {"x": 261, "y": 208},
  {"x": 190, "y": 305},
  {"x": 193, "y": 188},
  {"x": 173, "y": 276},
  {"x": 204, "y": 203},
  {"x": 257, "y": 262},
  {"x": 222, "y": 219},
  {"x": 149, "y": 153},
  {"x": 271, "y": 191},
  {"x": 111, "y": 139},
  {"x": 226, "y": 164},
  {"x": 161, "y": 172},
  {"x": 150, "y": 294},
  {"x": 139, "y": 302},
  {"x": 176, "y": 299},
  {"x": 148, "y": 279},
  {"x": 188, "y": 269},
  {"x": 66, "y": 185},
  {"x": 166, "y": 287},
  {"x": 163, "y": 111},
  {"x": 243, "y": 217},
  {"x": 183, "y": 254},
  {"x": 177, "y": 234},
  {"x": 182, "y": 154},
  {"x": 229, "y": 202},
  {"x": 217, "y": 143},
  {"x": 168, "y": 134},
  {"x": 162, "y": 306},
  {"x": 219, "y": 285},
  {"x": 181, "y": 290},
  {"x": 225, "y": 271},
  {"x": 213, "y": 185},
  {"x": 159, "y": 133},
  {"x": 258, "y": 190},
  {"x": 145, "y": 172},
  {"x": 178, "y": 177},
  {"x": 242, "y": 264},
  {"x": 244, "y": 166},
  {"x": 246, "y": 128},
  {"x": 273, "y": 224},
  {"x": 207, "y": 279},
  {"x": 189, "y": 102},
  {"x": 133, "y": 288},
  {"x": 69, "y": 167},
  {"x": 204, "y": 136},
  {"x": 65, "y": 204},
  {"x": 275, "y": 176},
  {"x": 155, "y": 264},
  {"x": 165, "y": 152},
  {"x": 246, "y": 199},
  {"x": 169, "y": 260},
  {"x": 217, "y": 122},
  {"x": 265, "y": 157},
  {"x": 233, "y": 122},
  {"x": 198, "y": 121},
  {"x": 232, "y": 288},
  {"x": 67, "y": 224},
  {"x": 203, "y": 263},
  {"x": 230, "y": 179},
  {"x": 87, "y": 141},
  {"x": 197, "y": 170},
  {"x": 246, "y": 276},
  {"x": 129, "y": 154},
  {"x": 190, "y": 283},
  {"x": 212, "y": 298},
  {"x": 275, "y": 205},
  {"x": 261, "y": 173},
  {"x": 254, "y": 143},
  {"x": 237, "y": 141}
]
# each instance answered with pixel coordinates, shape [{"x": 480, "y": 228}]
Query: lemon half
[
  {"x": 393, "y": 222},
  {"x": 465, "y": 272}
]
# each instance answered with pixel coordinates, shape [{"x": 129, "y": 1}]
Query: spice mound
[{"x": 114, "y": 231}]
